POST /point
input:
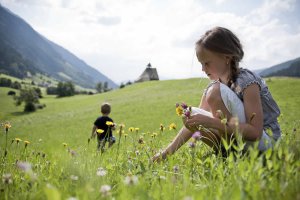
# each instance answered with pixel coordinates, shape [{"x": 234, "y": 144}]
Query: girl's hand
[
  {"x": 159, "y": 156},
  {"x": 194, "y": 121}
]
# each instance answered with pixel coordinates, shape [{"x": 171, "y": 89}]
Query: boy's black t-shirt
[{"x": 100, "y": 123}]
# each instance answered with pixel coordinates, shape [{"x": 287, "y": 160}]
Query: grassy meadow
[{"x": 49, "y": 169}]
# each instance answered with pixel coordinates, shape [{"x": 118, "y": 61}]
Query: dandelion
[
  {"x": 172, "y": 126},
  {"x": 179, "y": 110},
  {"x": 101, "y": 172},
  {"x": 105, "y": 190},
  {"x": 137, "y": 129},
  {"x": 121, "y": 125},
  {"x": 26, "y": 143},
  {"x": 141, "y": 140},
  {"x": 6, "y": 126},
  {"x": 131, "y": 180},
  {"x": 100, "y": 131},
  {"x": 65, "y": 144},
  {"x": 131, "y": 129},
  {"x": 18, "y": 140},
  {"x": 125, "y": 135},
  {"x": 154, "y": 135},
  {"x": 109, "y": 123},
  {"x": 7, "y": 179}
]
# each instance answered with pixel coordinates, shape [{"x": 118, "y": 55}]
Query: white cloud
[{"x": 119, "y": 38}]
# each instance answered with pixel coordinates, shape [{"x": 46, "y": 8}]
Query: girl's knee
[{"x": 213, "y": 95}]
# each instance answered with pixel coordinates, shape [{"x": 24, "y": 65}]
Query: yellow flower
[
  {"x": 131, "y": 129},
  {"x": 109, "y": 123},
  {"x": 125, "y": 135},
  {"x": 179, "y": 111},
  {"x": 154, "y": 135},
  {"x": 26, "y": 143},
  {"x": 137, "y": 129},
  {"x": 122, "y": 125},
  {"x": 7, "y": 125},
  {"x": 172, "y": 126},
  {"x": 99, "y": 131},
  {"x": 18, "y": 140},
  {"x": 141, "y": 140},
  {"x": 65, "y": 144}
]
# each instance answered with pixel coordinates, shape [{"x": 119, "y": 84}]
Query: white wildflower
[
  {"x": 74, "y": 178},
  {"x": 105, "y": 190},
  {"x": 101, "y": 172},
  {"x": 131, "y": 180},
  {"x": 7, "y": 178}
]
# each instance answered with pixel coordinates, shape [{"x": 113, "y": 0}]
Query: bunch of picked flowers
[{"x": 183, "y": 110}]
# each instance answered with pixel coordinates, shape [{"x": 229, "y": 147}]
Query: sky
[{"x": 120, "y": 37}]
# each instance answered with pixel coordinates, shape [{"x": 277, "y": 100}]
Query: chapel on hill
[{"x": 149, "y": 74}]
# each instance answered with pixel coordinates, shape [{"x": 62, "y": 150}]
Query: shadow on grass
[{"x": 20, "y": 113}]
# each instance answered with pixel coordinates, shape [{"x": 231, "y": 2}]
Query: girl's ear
[{"x": 228, "y": 59}]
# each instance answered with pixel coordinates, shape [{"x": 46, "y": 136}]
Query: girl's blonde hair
[{"x": 222, "y": 40}]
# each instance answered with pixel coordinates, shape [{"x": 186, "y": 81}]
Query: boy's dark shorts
[{"x": 111, "y": 139}]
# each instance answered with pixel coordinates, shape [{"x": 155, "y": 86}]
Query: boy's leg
[
  {"x": 112, "y": 140},
  {"x": 101, "y": 145}
]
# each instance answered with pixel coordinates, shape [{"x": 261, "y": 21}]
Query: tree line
[{"x": 30, "y": 95}]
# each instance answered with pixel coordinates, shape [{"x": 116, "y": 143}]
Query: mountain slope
[
  {"x": 288, "y": 68},
  {"x": 23, "y": 49}
]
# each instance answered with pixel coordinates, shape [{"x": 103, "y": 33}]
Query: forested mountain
[
  {"x": 24, "y": 50},
  {"x": 289, "y": 68}
]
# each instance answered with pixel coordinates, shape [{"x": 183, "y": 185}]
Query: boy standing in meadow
[{"x": 103, "y": 127}]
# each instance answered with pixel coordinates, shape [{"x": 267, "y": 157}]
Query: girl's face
[{"x": 213, "y": 64}]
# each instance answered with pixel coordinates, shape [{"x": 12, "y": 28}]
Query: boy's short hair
[{"x": 105, "y": 108}]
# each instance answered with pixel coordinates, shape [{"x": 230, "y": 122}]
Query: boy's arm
[{"x": 93, "y": 131}]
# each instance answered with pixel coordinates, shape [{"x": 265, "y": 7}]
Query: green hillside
[{"x": 146, "y": 106}]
